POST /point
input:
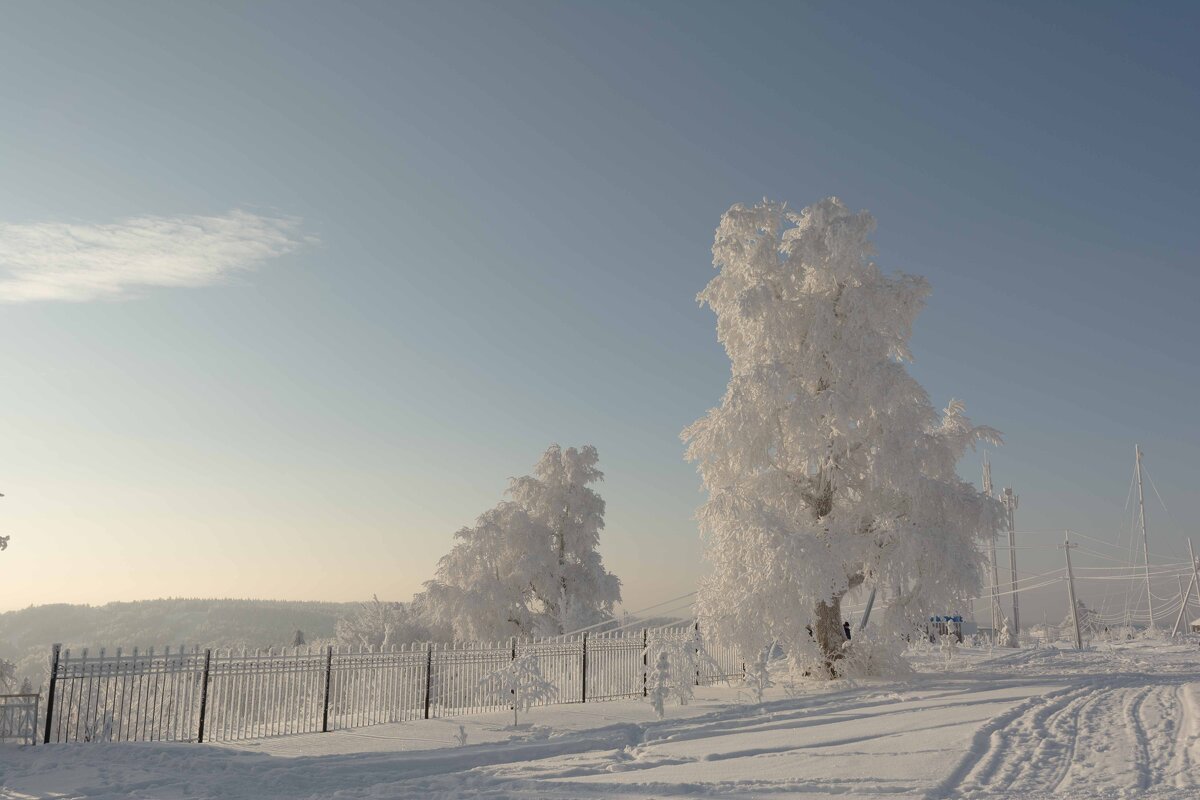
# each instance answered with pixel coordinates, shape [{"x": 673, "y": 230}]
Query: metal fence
[
  {"x": 18, "y": 718},
  {"x": 222, "y": 695}
]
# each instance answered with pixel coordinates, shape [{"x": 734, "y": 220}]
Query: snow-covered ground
[{"x": 1116, "y": 721}]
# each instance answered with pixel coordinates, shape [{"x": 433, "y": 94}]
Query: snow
[{"x": 1116, "y": 721}]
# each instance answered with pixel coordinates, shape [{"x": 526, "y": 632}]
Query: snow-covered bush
[
  {"x": 826, "y": 466},
  {"x": 530, "y": 566},
  {"x": 520, "y": 684},
  {"x": 875, "y": 652}
]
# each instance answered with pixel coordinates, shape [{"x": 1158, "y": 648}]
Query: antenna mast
[{"x": 1137, "y": 452}]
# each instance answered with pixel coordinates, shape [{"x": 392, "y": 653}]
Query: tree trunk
[{"x": 829, "y": 633}]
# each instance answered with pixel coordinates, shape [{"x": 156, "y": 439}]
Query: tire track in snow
[
  {"x": 1071, "y": 732},
  {"x": 1182, "y": 766},
  {"x": 1114, "y": 734},
  {"x": 992, "y": 743},
  {"x": 1086, "y": 726},
  {"x": 1141, "y": 743}
]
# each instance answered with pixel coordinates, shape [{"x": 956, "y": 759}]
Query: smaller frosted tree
[
  {"x": 531, "y": 565},
  {"x": 1007, "y": 638},
  {"x": 758, "y": 675},
  {"x": 659, "y": 683},
  {"x": 949, "y": 646},
  {"x": 298, "y": 638},
  {"x": 521, "y": 684},
  {"x": 1089, "y": 622},
  {"x": 675, "y": 676}
]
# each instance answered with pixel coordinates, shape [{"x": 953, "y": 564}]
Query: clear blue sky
[{"x": 506, "y": 212}]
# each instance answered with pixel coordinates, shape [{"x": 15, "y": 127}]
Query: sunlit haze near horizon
[{"x": 289, "y": 291}]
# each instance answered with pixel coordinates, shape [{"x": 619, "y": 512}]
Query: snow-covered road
[{"x": 1112, "y": 722}]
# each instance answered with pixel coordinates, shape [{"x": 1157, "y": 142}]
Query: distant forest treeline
[{"x": 26, "y": 635}]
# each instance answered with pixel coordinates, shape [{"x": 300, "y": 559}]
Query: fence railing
[
  {"x": 18, "y": 718},
  {"x": 222, "y": 695}
]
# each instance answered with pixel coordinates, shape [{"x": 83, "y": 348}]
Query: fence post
[
  {"x": 428, "y": 675},
  {"x": 54, "y": 654},
  {"x": 584, "y": 692},
  {"x": 204, "y": 694},
  {"x": 645, "y": 661},
  {"x": 325, "y": 700}
]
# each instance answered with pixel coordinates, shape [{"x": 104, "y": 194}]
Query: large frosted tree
[
  {"x": 826, "y": 467},
  {"x": 530, "y": 565}
]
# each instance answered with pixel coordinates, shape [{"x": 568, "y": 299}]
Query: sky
[{"x": 289, "y": 291}]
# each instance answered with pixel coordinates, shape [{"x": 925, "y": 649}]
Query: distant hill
[{"x": 26, "y": 635}]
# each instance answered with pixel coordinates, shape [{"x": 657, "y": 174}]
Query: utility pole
[
  {"x": 1066, "y": 548},
  {"x": 1137, "y": 452},
  {"x": 1195, "y": 573},
  {"x": 1183, "y": 601},
  {"x": 995, "y": 599},
  {"x": 1010, "y": 505},
  {"x": 1194, "y": 583},
  {"x": 866, "y": 615},
  {"x": 4, "y": 539}
]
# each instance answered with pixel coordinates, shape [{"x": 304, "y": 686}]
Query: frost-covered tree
[
  {"x": 826, "y": 466},
  {"x": 531, "y": 565},
  {"x": 298, "y": 637},
  {"x": 520, "y": 684}
]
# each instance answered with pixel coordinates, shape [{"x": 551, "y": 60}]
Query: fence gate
[{"x": 18, "y": 718}]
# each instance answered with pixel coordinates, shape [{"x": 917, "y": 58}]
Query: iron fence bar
[
  {"x": 54, "y": 655},
  {"x": 325, "y": 702},
  {"x": 204, "y": 694},
  {"x": 428, "y": 675}
]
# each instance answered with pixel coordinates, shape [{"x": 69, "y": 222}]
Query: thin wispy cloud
[{"x": 72, "y": 262}]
